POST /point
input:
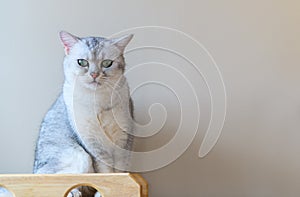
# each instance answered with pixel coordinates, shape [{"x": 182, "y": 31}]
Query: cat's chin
[{"x": 93, "y": 85}]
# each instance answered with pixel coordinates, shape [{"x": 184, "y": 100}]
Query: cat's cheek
[
  {"x": 80, "y": 71},
  {"x": 113, "y": 72}
]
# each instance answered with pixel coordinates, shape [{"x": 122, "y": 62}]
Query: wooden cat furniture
[{"x": 59, "y": 185}]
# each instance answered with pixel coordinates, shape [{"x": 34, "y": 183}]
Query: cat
[{"x": 90, "y": 124}]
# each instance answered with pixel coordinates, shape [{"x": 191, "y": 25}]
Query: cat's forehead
[
  {"x": 94, "y": 43},
  {"x": 97, "y": 47}
]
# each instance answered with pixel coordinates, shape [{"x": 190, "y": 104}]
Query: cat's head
[{"x": 94, "y": 61}]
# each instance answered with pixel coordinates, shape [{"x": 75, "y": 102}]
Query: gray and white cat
[{"x": 91, "y": 123}]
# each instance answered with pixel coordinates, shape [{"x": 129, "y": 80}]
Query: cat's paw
[
  {"x": 74, "y": 193},
  {"x": 97, "y": 194}
]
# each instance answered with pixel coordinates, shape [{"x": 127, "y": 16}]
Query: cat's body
[{"x": 91, "y": 121}]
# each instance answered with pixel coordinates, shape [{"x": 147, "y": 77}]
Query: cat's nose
[{"x": 94, "y": 74}]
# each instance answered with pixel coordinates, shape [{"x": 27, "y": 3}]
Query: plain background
[{"x": 256, "y": 45}]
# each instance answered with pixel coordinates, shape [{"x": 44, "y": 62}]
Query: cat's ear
[
  {"x": 68, "y": 40},
  {"x": 122, "y": 41}
]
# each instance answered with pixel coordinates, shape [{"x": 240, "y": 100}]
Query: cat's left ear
[
  {"x": 122, "y": 41},
  {"x": 68, "y": 40}
]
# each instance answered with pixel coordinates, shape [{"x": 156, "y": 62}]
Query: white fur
[{"x": 99, "y": 113}]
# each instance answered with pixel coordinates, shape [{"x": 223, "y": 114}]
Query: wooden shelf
[{"x": 56, "y": 185}]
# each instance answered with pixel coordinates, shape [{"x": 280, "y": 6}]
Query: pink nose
[{"x": 94, "y": 74}]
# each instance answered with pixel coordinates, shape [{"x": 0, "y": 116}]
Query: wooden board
[{"x": 56, "y": 185}]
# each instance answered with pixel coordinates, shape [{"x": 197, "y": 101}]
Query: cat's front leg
[
  {"x": 122, "y": 154},
  {"x": 103, "y": 165},
  {"x": 121, "y": 162}
]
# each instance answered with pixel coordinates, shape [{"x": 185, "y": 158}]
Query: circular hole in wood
[
  {"x": 4, "y": 192},
  {"x": 83, "y": 190}
]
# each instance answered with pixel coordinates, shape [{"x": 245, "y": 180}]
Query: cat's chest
[
  {"x": 94, "y": 112},
  {"x": 102, "y": 125},
  {"x": 98, "y": 113}
]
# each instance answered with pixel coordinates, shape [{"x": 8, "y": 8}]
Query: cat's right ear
[{"x": 68, "y": 40}]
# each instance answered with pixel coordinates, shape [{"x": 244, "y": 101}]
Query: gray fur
[
  {"x": 56, "y": 134},
  {"x": 94, "y": 43}
]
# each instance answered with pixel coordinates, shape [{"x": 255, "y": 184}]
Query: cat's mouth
[{"x": 94, "y": 82}]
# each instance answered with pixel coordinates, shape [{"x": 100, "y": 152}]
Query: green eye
[
  {"x": 83, "y": 62},
  {"x": 106, "y": 63}
]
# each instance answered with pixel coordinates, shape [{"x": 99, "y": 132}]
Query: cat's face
[{"x": 94, "y": 61}]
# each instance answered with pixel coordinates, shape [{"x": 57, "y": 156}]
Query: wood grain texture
[{"x": 56, "y": 185}]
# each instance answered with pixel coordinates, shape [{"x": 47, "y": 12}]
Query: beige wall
[{"x": 256, "y": 45}]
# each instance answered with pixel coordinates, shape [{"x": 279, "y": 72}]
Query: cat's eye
[
  {"x": 106, "y": 63},
  {"x": 83, "y": 62}
]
